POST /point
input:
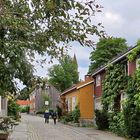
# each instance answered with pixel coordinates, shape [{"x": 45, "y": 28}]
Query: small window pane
[{"x": 98, "y": 80}]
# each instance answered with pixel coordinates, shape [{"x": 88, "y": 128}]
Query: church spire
[
  {"x": 75, "y": 60},
  {"x": 76, "y": 64}
]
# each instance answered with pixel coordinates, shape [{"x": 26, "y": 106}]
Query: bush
[
  {"x": 132, "y": 120},
  {"x": 131, "y": 108},
  {"x": 75, "y": 115},
  {"x": 101, "y": 119},
  {"x": 28, "y": 109},
  {"x": 67, "y": 118},
  {"x": 41, "y": 111},
  {"x": 6, "y": 124},
  {"x": 72, "y": 116},
  {"x": 116, "y": 123},
  {"x": 25, "y": 109},
  {"x": 59, "y": 111},
  {"x": 13, "y": 109}
]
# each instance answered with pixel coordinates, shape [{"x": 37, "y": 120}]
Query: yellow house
[{"x": 81, "y": 94}]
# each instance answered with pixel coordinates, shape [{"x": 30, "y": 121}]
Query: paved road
[{"x": 36, "y": 129}]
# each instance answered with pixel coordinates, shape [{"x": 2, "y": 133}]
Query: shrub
[
  {"x": 25, "y": 109},
  {"x": 59, "y": 111},
  {"x": 6, "y": 124},
  {"x": 116, "y": 123},
  {"x": 131, "y": 108},
  {"x": 67, "y": 118},
  {"x": 72, "y": 116},
  {"x": 132, "y": 122},
  {"x": 13, "y": 109},
  {"x": 76, "y": 115},
  {"x": 101, "y": 119},
  {"x": 41, "y": 111}
]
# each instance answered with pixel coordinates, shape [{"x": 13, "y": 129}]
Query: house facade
[
  {"x": 81, "y": 94},
  {"x": 99, "y": 75},
  {"x": 37, "y": 98}
]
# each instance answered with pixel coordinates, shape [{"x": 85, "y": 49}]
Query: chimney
[{"x": 88, "y": 77}]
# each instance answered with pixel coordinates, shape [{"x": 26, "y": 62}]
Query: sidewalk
[{"x": 20, "y": 132}]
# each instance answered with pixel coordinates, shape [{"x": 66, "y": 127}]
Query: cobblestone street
[{"x": 34, "y": 128}]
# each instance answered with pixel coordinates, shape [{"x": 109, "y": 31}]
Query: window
[
  {"x": 68, "y": 104},
  {"x": 137, "y": 63},
  {"x": 126, "y": 68},
  {"x": 98, "y": 80},
  {"x": 98, "y": 104},
  {"x": 73, "y": 102}
]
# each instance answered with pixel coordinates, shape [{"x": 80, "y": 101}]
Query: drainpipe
[{"x": 94, "y": 122}]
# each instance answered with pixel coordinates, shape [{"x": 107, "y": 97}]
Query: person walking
[
  {"x": 54, "y": 116},
  {"x": 46, "y": 116}
]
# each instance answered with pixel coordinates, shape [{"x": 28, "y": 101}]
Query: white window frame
[
  {"x": 98, "y": 104},
  {"x": 98, "y": 80},
  {"x": 68, "y": 101},
  {"x": 73, "y": 102},
  {"x": 137, "y": 63},
  {"x": 123, "y": 98}
]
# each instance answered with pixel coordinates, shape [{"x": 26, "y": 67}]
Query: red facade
[
  {"x": 98, "y": 89},
  {"x": 131, "y": 67}
]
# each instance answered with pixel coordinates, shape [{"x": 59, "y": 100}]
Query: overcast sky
[{"x": 121, "y": 18}]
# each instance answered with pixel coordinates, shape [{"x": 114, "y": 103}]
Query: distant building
[{"x": 38, "y": 95}]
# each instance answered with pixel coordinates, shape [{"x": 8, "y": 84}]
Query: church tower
[
  {"x": 76, "y": 64},
  {"x": 75, "y": 61}
]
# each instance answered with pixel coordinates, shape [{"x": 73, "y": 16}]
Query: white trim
[
  {"x": 98, "y": 80},
  {"x": 98, "y": 104},
  {"x": 0, "y": 103},
  {"x": 128, "y": 63},
  {"x": 137, "y": 63},
  {"x": 74, "y": 98},
  {"x": 84, "y": 85},
  {"x": 68, "y": 90}
]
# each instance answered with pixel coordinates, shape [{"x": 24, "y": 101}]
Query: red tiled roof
[{"x": 23, "y": 102}]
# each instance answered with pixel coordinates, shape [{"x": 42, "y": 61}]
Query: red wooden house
[{"x": 99, "y": 74}]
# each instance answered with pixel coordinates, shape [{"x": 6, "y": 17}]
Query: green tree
[
  {"x": 63, "y": 75},
  {"x": 13, "y": 109},
  {"x": 39, "y": 26},
  {"x": 131, "y": 107},
  {"x": 106, "y": 49},
  {"x": 34, "y": 82}
]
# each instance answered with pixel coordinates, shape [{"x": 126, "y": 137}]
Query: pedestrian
[
  {"x": 54, "y": 116},
  {"x": 46, "y": 116}
]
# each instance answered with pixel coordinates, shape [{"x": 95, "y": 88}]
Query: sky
[{"x": 120, "y": 18}]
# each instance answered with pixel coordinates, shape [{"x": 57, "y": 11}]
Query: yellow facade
[
  {"x": 82, "y": 96},
  {"x": 86, "y": 102}
]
